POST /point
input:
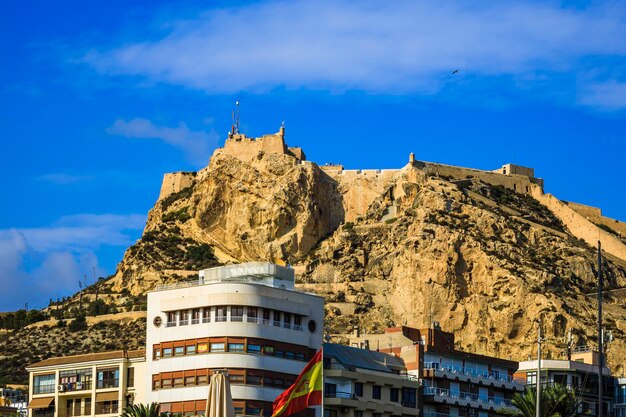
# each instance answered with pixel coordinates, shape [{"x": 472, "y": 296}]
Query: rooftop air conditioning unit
[{"x": 61, "y": 388}]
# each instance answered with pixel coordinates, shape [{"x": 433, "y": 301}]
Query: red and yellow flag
[{"x": 306, "y": 391}]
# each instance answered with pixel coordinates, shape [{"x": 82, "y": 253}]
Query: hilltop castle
[{"x": 585, "y": 222}]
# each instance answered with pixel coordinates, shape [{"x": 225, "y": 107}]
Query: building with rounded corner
[{"x": 247, "y": 319}]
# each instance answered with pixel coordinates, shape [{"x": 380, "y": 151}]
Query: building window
[
  {"x": 287, "y": 320},
  {"x": 184, "y": 318},
  {"x": 235, "y": 347},
  {"x": 130, "y": 376},
  {"x": 157, "y": 353},
  {"x": 166, "y": 383},
  {"x": 358, "y": 389},
  {"x": 179, "y": 351},
  {"x": 394, "y": 395},
  {"x": 44, "y": 384},
  {"x": 203, "y": 347},
  {"x": 171, "y": 319},
  {"x": 108, "y": 378},
  {"x": 201, "y": 379},
  {"x": 297, "y": 322},
  {"x": 290, "y": 355},
  {"x": 195, "y": 316},
  {"x": 107, "y": 407},
  {"x": 376, "y": 390},
  {"x": 531, "y": 378},
  {"x": 254, "y": 380},
  {"x": 236, "y": 313},
  {"x": 276, "y": 318},
  {"x": 206, "y": 315},
  {"x": 358, "y": 413},
  {"x": 178, "y": 382},
  {"x": 87, "y": 406},
  {"x": 190, "y": 380},
  {"x": 253, "y": 315},
  {"x": 236, "y": 379},
  {"x": 409, "y": 397},
  {"x": 217, "y": 347},
  {"x": 279, "y": 353},
  {"x": 300, "y": 356},
  {"x": 266, "y": 316},
  {"x": 167, "y": 352},
  {"x": 330, "y": 390},
  {"x": 190, "y": 349},
  {"x": 220, "y": 313},
  {"x": 254, "y": 348},
  {"x": 268, "y": 350}
]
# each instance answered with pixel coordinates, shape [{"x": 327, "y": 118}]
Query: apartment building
[
  {"x": 98, "y": 384},
  {"x": 579, "y": 373},
  {"x": 247, "y": 319},
  {"x": 456, "y": 383},
  {"x": 365, "y": 383},
  {"x": 620, "y": 397},
  {"x": 14, "y": 398}
]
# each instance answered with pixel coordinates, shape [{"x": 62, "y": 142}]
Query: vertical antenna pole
[
  {"x": 538, "y": 382},
  {"x": 237, "y": 117},
  {"x": 600, "y": 335}
]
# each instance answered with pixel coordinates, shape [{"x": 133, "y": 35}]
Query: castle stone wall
[
  {"x": 579, "y": 226},
  {"x": 594, "y": 214},
  {"x": 173, "y": 182},
  {"x": 519, "y": 183}
]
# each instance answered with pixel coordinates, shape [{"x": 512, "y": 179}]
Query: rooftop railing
[{"x": 497, "y": 376}]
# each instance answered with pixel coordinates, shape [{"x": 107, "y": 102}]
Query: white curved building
[{"x": 246, "y": 318}]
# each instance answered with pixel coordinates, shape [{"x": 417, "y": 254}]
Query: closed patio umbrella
[{"x": 220, "y": 401}]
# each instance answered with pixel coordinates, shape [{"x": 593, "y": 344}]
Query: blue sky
[{"x": 99, "y": 99}]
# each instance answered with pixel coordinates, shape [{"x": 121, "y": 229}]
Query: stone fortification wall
[
  {"x": 246, "y": 149},
  {"x": 594, "y": 214},
  {"x": 519, "y": 183},
  {"x": 173, "y": 182},
  {"x": 579, "y": 226}
]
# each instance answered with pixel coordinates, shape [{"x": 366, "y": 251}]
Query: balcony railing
[
  {"x": 43, "y": 389},
  {"x": 236, "y": 318},
  {"x": 257, "y": 320},
  {"x": 108, "y": 383},
  {"x": 106, "y": 409},
  {"x": 459, "y": 370},
  {"x": 195, "y": 321},
  {"x": 170, "y": 324},
  {"x": 76, "y": 386},
  {"x": 183, "y": 322},
  {"x": 468, "y": 396},
  {"x": 206, "y": 319},
  {"x": 340, "y": 394},
  {"x": 220, "y": 318}
]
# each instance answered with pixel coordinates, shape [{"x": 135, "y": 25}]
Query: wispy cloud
[
  {"x": 39, "y": 263},
  {"x": 64, "y": 179},
  {"x": 609, "y": 95},
  {"x": 195, "y": 144},
  {"x": 397, "y": 47}
]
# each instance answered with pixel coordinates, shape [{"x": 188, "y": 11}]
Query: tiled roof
[{"x": 91, "y": 357}]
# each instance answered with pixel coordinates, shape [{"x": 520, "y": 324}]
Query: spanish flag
[{"x": 306, "y": 391}]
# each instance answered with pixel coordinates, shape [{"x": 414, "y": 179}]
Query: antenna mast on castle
[{"x": 235, "y": 127}]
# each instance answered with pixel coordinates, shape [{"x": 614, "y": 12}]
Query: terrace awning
[{"x": 44, "y": 402}]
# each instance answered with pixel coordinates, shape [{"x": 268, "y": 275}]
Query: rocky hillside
[
  {"x": 481, "y": 259},
  {"x": 387, "y": 248}
]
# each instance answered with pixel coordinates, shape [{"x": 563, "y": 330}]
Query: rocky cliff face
[{"x": 404, "y": 247}]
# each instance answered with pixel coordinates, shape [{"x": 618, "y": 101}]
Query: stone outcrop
[{"x": 408, "y": 246}]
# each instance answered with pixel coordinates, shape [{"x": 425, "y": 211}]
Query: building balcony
[
  {"x": 495, "y": 379},
  {"x": 467, "y": 399},
  {"x": 108, "y": 383},
  {"x": 351, "y": 400},
  {"x": 74, "y": 387}
]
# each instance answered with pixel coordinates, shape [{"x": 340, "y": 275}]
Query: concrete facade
[
  {"x": 579, "y": 374},
  {"x": 364, "y": 383},
  {"x": 99, "y": 384},
  {"x": 247, "y": 319},
  {"x": 456, "y": 383}
]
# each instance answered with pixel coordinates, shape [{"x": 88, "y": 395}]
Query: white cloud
[
  {"x": 400, "y": 46},
  {"x": 64, "y": 179},
  {"x": 609, "y": 95},
  {"x": 39, "y": 263},
  {"x": 195, "y": 144}
]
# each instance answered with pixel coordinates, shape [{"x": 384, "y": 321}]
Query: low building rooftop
[
  {"x": 357, "y": 358},
  {"x": 90, "y": 357}
]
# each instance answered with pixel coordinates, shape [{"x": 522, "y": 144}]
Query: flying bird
[{"x": 455, "y": 71}]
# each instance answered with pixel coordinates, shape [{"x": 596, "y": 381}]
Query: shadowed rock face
[{"x": 396, "y": 248}]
